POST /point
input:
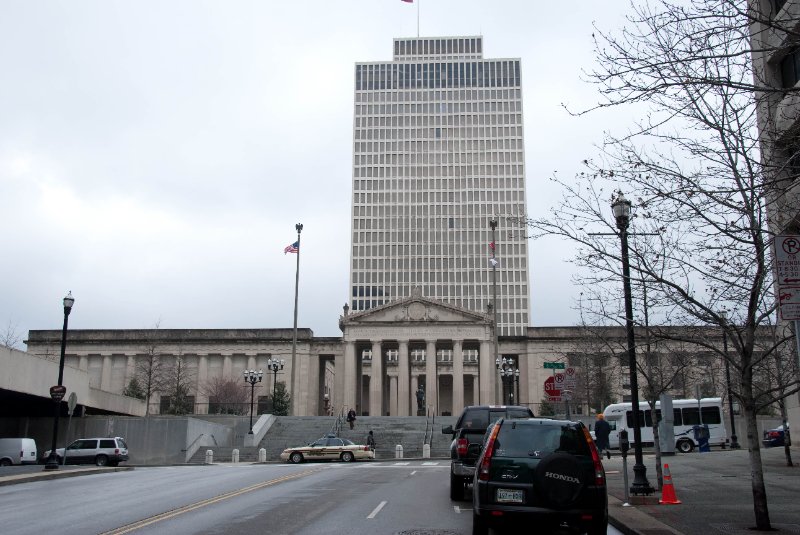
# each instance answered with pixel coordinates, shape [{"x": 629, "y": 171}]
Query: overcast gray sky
[{"x": 155, "y": 156}]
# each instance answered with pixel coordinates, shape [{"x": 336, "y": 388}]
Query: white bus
[{"x": 686, "y": 416}]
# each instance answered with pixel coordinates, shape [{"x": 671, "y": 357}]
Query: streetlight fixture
[
  {"x": 507, "y": 372},
  {"x": 252, "y": 377},
  {"x": 724, "y": 317},
  {"x": 621, "y": 208},
  {"x": 275, "y": 365},
  {"x": 57, "y": 392}
]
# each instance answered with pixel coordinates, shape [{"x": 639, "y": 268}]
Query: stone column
[
  {"x": 376, "y": 380},
  {"x": 83, "y": 362},
  {"x": 487, "y": 378},
  {"x": 105, "y": 374},
  {"x": 251, "y": 362},
  {"x": 337, "y": 396},
  {"x": 312, "y": 386},
  {"x": 413, "y": 400},
  {"x": 431, "y": 377},
  {"x": 403, "y": 395},
  {"x": 475, "y": 390},
  {"x": 350, "y": 371},
  {"x": 130, "y": 368},
  {"x": 458, "y": 377},
  {"x": 227, "y": 367},
  {"x": 202, "y": 383},
  {"x": 393, "y": 396}
]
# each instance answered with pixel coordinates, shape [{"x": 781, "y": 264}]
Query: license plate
[{"x": 509, "y": 496}]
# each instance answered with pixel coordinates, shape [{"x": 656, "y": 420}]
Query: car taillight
[
  {"x": 116, "y": 451},
  {"x": 599, "y": 478},
  {"x": 774, "y": 434},
  {"x": 461, "y": 447},
  {"x": 483, "y": 469},
  {"x": 366, "y": 448}
]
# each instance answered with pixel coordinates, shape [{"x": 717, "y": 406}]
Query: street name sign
[{"x": 554, "y": 365}]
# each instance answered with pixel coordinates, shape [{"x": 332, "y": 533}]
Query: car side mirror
[
  {"x": 447, "y": 430},
  {"x": 474, "y": 449}
]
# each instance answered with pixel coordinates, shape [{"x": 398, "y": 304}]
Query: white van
[
  {"x": 17, "y": 451},
  {"x": 687, "y": 413}
]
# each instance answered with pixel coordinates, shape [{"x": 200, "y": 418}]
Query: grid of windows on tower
[{"x": 437, "y": 75}]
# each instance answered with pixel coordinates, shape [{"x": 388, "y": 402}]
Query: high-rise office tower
[{"x": 438, "y": 153}]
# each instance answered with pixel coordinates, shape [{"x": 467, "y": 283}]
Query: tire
[
  {"x": 5, "y": 462},
  {"x": 456, "y": 488},
  {"x": 685, "y": 446},
  {"x": 479, "y": 526},
  {"x": 296, "y": 457},
  {"x": 348, "y": 457},
  {"x": 101, "y": 460},
  {"x": 560, "y": 480}
]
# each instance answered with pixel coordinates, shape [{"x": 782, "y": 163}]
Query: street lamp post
[
  {"x": 724, "y": 316},
  {"x": 275, "y": 365},
  {"x": 507, "y": 372},
  {"x": 57, "y": 393},
  {"x": 621, "y": 208},
  {"x": 252, "y": 377}
]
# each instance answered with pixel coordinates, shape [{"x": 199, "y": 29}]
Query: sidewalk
[{"x": 715, "y": 492}]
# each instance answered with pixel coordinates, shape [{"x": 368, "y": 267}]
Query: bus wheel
[{"x": 685, "y": 446}]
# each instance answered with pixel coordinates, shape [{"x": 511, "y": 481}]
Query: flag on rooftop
[
  {"x": 408, "y": 1},
  {"x": 293, "y": 248},
  {"x": 491, "y": 246}
]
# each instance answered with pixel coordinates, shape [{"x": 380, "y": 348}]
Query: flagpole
[
  {"x": 493, "y": 225},
  {"x": 299, "y": 228}
]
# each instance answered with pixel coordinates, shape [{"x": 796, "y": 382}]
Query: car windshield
[{"x": 537, "y": 440}]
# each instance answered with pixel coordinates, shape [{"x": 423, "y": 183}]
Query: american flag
[{"x": 293, "y": 248}]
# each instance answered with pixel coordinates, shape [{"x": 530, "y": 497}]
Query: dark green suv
[{"x": 539, "y": 472}]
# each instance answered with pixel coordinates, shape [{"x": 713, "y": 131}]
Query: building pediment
[{"x": 415, "y": 309}]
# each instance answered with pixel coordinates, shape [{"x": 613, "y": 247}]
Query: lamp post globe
[
  {"x": 57, "y": 393},
  {"x": 621, "y": 209},
  {"x": 507, "y": 371}
]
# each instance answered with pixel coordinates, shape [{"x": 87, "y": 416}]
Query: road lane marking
[
  {"x": 203, "y": 503},
  {"x": 377, "y": 510},
  {"x": 402, "y": 464},
  {"x": 413, "y": 472},
  {"x": 429, "y": 463}
]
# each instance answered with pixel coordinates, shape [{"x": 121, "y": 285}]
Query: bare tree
[
  {"x": 229, "y": 396},
  {"x": 700, "y": 190},
  {"x": 149, "y": 368},
  {"x": 177, "y": 386},
  {"x": 10, "y": 337}
]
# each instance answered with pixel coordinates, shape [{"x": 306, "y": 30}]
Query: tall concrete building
[{"x": 438, "y": 154}]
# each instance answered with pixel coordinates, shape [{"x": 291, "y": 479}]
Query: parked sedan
[
  {"x": 774, "y": 437},
  {"x": 328, "y": 448}
]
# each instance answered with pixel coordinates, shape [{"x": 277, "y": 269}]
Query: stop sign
[{"x": 551, "y": 390}]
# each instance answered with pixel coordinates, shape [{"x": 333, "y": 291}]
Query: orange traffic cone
[{"x": 668, "y": 492}]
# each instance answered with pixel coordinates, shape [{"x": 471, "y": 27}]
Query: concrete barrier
[
  {"x": 235, "y": 456},
  {"x": 209, "y": 456},
  {"x": 262, "y": 455},
  {"x": 426, "y": 451},
  {"x": 398, "y": 451}
]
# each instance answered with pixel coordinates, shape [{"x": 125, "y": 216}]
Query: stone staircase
[{"x": 389, "y": 431}]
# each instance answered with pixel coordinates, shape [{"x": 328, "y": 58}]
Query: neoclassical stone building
[{"x": 380, "y": 361}]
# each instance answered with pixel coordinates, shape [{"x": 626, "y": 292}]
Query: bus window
[
  {"x": 690, "y": 416},
  {"x": 676, "y": 414},
  {"x": 645, "y": 420},
  {"x": 711, "y": 415}
]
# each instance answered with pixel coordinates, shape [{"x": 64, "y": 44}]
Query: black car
[{"x": 539, "y": 472}]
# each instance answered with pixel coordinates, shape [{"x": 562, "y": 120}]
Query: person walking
[
  {"x": 601, "y": 431},
  {"x": 351, "y": 417},
  {"x": 371, "y": 440}
]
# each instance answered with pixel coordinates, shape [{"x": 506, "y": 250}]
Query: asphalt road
[{"x": 388, "y": 497}]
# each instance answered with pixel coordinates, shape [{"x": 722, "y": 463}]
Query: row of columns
[{"x": 402, "y": 388}]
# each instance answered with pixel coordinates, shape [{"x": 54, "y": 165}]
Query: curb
[{"x": 59, "y": 474}]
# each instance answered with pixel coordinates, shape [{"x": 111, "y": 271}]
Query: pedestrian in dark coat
[
  {"x": 351, "y": 417},
  {"x": 371, "y": 441},
  {"x": 601, "y": 431}
]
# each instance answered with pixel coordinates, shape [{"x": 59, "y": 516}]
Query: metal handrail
[{"x": 337, "y": 424}]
